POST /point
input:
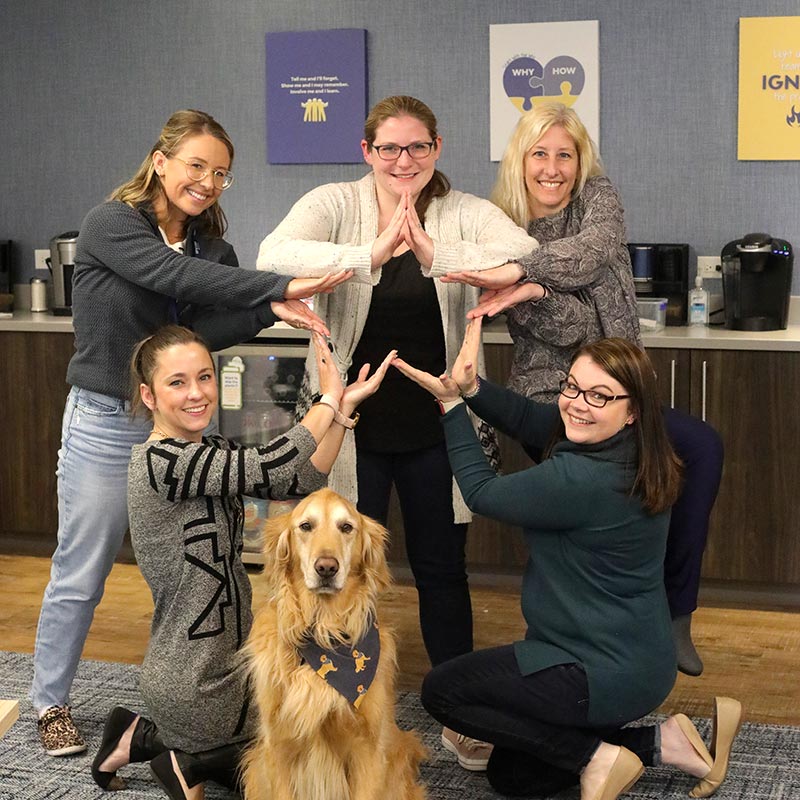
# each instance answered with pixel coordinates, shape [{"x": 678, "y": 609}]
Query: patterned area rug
[{"x": 765, "y": 763}]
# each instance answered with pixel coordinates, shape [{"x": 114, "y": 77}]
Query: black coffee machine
[
  {"x": 662, "y": 270},
  {"x": 757, "y": 282}
]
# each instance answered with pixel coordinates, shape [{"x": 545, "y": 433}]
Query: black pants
[
  {"x": 538, "y": 723},
  {"x": 434, "y": 542}
]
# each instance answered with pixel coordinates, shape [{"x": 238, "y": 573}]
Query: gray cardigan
[{"x": 185, "y": 510}]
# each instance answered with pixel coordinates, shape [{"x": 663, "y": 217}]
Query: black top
[{"x": 404, "y": 314}]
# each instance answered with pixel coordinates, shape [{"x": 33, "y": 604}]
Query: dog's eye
[
  {"x": 346, "y": 527},
  {"x": 305, "y": 526}
]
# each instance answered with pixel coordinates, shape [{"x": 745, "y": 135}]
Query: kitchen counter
[{"x": 683, "y": 337}]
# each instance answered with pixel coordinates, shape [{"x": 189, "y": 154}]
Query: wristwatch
[{"x": 348, "y": 422}]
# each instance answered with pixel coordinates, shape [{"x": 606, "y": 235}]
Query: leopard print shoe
[{"x": 58, "y": 733}]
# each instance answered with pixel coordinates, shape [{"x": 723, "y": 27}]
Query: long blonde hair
[
  {"x": 402, "y": 105},
  {"x": 144, "y": 188},
  {"x": 510, "y": 192}
]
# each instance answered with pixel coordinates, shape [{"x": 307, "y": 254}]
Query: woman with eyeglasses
[
  {"x": 575, "y": 288},
  {"x": 598, "y": 651},
  {"x": 152, "y": 254},
  {"x": 397, "y": 229}
]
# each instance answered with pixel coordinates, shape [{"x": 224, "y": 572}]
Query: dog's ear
[
  {"x": 373, "y": 552},
  {"x": 277, "y": 540}
]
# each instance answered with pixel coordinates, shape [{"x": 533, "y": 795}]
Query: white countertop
[{"x": 696, "y": 338}]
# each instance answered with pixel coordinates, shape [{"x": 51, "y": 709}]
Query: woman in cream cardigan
[{"x": 396, "y": 229}]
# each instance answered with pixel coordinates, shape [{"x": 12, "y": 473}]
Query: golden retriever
[{"x": 326, "y": 565}]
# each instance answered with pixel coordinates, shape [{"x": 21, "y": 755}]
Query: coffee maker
[
  {"x": 662, "y": 270},
  {"x": 757, "y": 282},
  {"x": 62, "y": 265}
]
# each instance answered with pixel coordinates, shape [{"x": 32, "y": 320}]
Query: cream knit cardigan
[{"x": 333, "y": 227}]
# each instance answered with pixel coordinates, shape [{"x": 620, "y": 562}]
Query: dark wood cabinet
[{"x": 749, "y": 397}]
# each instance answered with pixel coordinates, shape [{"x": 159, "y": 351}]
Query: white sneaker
[{"x": 472, "y": 754}]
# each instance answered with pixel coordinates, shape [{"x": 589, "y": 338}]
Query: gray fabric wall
[{"x": 85, "y": 87}]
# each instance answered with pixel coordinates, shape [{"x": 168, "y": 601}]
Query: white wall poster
[{"x": 540, "y": 62}]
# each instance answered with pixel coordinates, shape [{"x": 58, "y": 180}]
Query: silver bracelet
[{"x": 467, "y": 395}]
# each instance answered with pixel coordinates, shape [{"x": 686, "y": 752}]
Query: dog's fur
[{"x": 326, "y": 565}]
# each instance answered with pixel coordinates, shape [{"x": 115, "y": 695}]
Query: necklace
[{"x": 160, "y": 434}]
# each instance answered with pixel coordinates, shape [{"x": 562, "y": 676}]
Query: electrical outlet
[
  {"x": 39, "y": 257},
  {"x": 709, "y": 266}
]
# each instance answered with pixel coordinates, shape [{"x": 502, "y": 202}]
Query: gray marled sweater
[
  {"x": 583, "y": 260},
  {"x": 185, "y": 509}
]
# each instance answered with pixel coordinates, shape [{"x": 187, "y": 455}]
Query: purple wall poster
[{"x": 316, "y": 96}]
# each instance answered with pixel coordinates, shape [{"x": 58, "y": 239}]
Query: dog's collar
[{"x": 348, "y": 668}]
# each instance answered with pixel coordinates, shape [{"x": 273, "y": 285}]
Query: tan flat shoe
[
  {"x": 627, "y": 769},
  {"x": 726, "y": 724},
  {"x": 690, "y": 732}
]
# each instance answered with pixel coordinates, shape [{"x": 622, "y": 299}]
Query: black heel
[
  {"x": 117, "y": 722},
  {"x": 164, "y": 773}
]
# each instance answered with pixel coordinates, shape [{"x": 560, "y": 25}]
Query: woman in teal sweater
[{"x": 598, "y": 651}]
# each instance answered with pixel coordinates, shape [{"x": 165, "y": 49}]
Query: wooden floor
[{"x": 751, "y": 655}]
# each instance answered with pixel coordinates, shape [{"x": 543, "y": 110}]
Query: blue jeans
[{"x": 97, "y": 434}]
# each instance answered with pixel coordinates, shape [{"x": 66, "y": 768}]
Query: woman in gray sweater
[{"x": 186, "y": 517}]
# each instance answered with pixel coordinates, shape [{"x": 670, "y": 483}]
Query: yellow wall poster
[{"x": 769, "y": 88}]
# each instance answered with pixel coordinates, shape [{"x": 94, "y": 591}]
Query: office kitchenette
[{"x": 742, "y": 382}]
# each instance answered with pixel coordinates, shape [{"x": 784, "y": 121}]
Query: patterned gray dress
[{"x": 583, "y": 260}]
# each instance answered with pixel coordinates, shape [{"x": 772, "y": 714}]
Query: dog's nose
[{"x": 326, "y": 566}]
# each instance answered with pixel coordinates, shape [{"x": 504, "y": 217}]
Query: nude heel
[
  {"x": 726, "y": 724},
  {"x": 626, "y": 771}
]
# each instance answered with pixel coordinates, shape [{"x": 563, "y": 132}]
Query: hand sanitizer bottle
[{"x": 698, "y": 303}]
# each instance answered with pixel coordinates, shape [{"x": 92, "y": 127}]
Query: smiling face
[
  {"x": 587, "y": 424},
  {"x": 184, "y": 197},
  {"x": 551, "y": 169},
  {"x": 183, "y": 394},
  {"x": 394, "y": 178}
]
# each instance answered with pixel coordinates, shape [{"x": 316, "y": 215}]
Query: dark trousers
[
  {"x": 434, "y": 542},
  {"x": 699, "y": 446},
  {"x": 700, "y": 449},
  {"x": 538, "y": 723}
]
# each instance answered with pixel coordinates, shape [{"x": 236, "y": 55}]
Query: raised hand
[
  {"x": 465, "y": 372},
  {"x": 390, "y": 238},
  {"x": 493, "y": 301},
  {"x": 330, "y": 381},
  {"x": 415, "y": 236},
  {"x": 443, "y": 388},
  {"x": 299, "y": 288},
  {"x": 494, "y": 278},
  {"x": 297, "y": 314},
  {"x": 364, "y": 387}
]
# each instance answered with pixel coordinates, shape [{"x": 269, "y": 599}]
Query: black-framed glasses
[
  {"x": 391, "y": 152},
  {"x": 196, "y": 171},
  {"x": 592, "y": 397}
]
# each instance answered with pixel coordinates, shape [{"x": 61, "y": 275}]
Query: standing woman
[
  {"x": 578, "y": 287},
  {"x": 397, "y": 228},
  {"x": 152, "y": 254}
]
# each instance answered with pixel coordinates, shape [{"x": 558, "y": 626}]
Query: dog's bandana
[{"x": 348, "y": 668}]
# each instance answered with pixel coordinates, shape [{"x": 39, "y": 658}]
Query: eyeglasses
[
  {"x": 196, "y": 171},
  {"x": 593, "y": 398},
  {"x": 391, "y": 152}
]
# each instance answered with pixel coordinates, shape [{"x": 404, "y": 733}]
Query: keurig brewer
[
  {"x": 62, "y": 264},
  {"x": 757, "y": 282}
]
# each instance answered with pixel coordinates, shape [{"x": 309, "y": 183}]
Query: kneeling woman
[
  {"x": 186, "y": 515},
  {"x": 598, "y": 652}
]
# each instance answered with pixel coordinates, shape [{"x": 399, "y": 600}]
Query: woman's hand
[
  {"x": 443, "y": 388},
  {"x": 493, "y": 301},
  {"x": 390, "y": 238},
  {"x": 494, "y": 278},
  {"x": 297, "y": 314},
  {"x": 362, "y": 388},
  {"x": 464, "y": 369},
  {"x": 299, "y": 288},
  {"x": 415, "y": 236},
  {"x": 330, "y": 381}
]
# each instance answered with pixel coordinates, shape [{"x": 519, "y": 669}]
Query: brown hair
[
  {"x": 659, "y": 471},
  {"x": 145, "y": 186},
  {"x": 145, "y": 358},
  {"x": 402, "y": 105}
]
